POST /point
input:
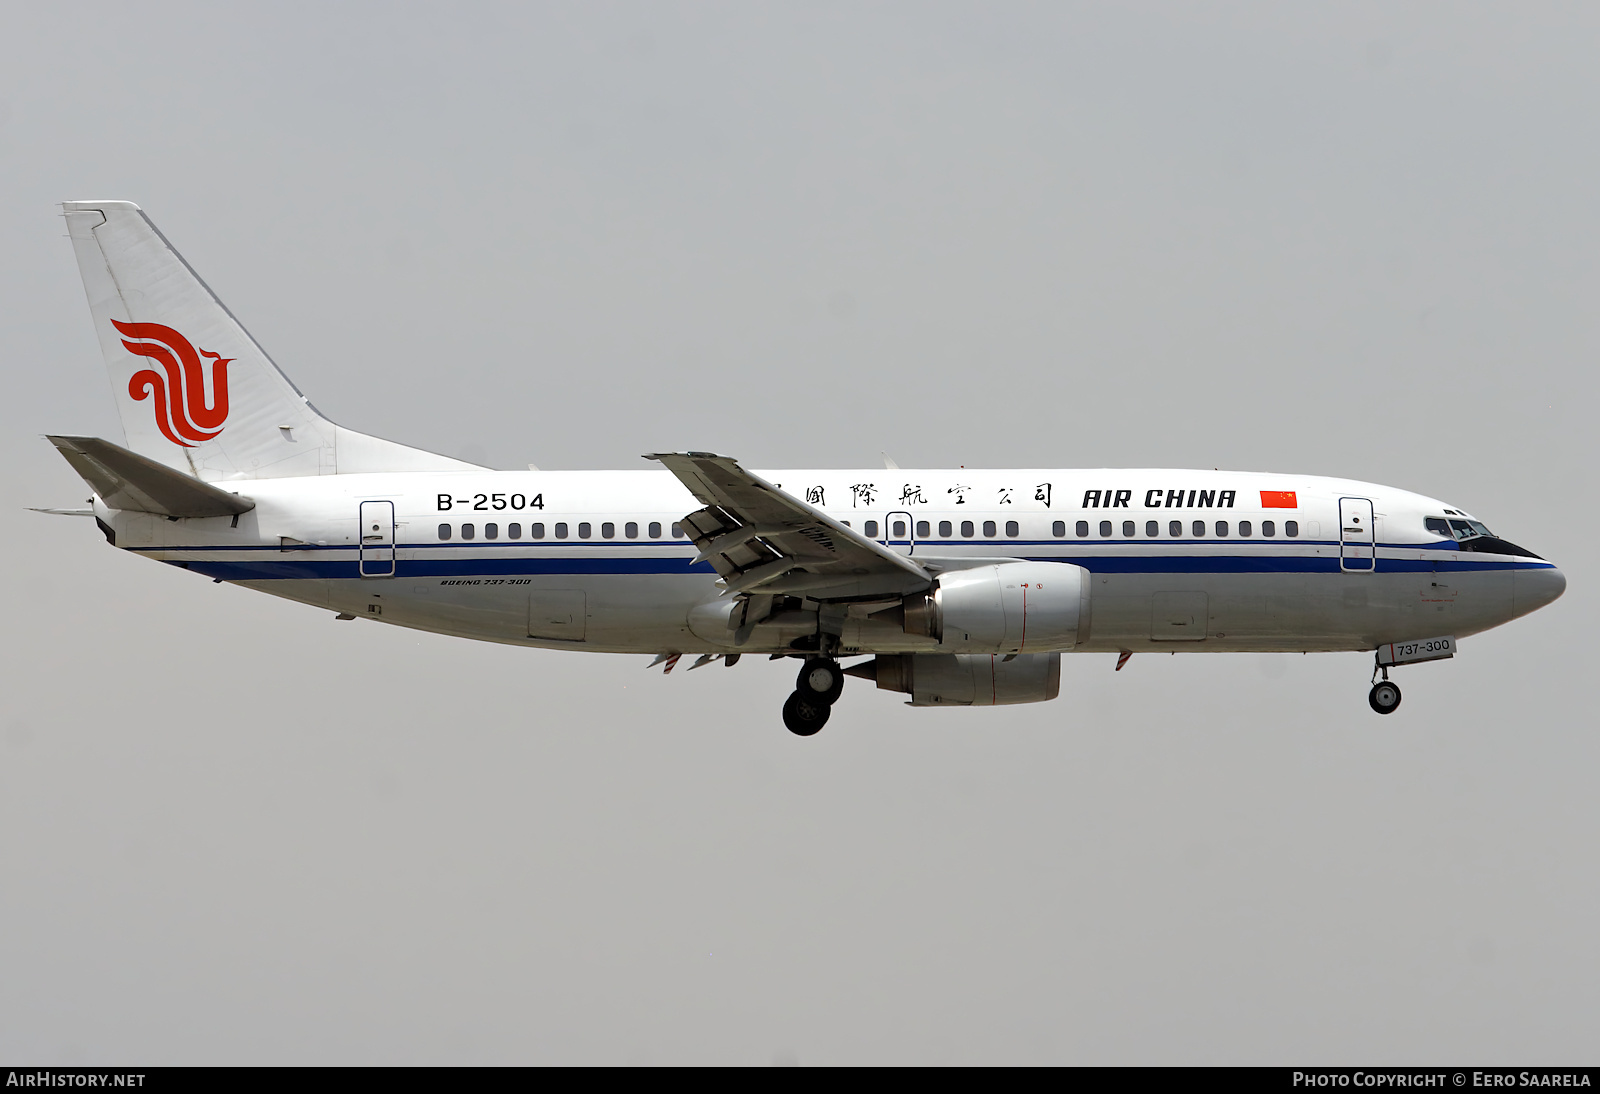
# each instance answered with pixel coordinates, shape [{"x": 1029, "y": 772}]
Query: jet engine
[
  {"x": 1010, "y": 607},
  {"x": 965, "y": 679}
]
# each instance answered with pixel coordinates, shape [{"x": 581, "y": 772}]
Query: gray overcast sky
[{"x": 1352, "y": 239}]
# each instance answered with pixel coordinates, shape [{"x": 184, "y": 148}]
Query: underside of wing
[{"x": 761, "y": 540}]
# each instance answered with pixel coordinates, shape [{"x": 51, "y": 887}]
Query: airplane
[{"x": 956, "y": 587}]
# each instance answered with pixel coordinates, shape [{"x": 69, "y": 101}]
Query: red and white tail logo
[{"x": 185, "y": 413}]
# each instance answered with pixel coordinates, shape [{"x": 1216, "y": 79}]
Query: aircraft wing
[{"x": 761, "y": 540}]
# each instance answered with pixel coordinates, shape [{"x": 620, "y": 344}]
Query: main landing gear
[{"x": 819, "y": 685}]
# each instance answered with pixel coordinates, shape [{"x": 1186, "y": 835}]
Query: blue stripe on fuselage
[{"x": 344, "y": 568}]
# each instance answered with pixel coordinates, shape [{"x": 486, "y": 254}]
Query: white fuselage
[{"x": 1180, "y": 559}]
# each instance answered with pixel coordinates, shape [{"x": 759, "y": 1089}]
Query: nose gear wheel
[{"x": 1384, "y": 697}]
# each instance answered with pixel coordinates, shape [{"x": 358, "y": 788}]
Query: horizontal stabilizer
[{"x": 127, "y": 480}]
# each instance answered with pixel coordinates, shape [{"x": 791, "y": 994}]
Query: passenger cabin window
[
  {"x": 561, "y": 530},
  {"x": 513, "y": 531},
  {"x": 1013, "y": 529},
  {"x": 585, "y": 530},
  {"x": 468, "y": 531},
  {"x": 1268, "y": 528},
  {"x": 1082, "y": 529},
  {"x": 1199, "y": 529},
  {"x": 631, "y": 529},
  {"x": 536, "y": 530},
  {"x": 1175, "y": 529},
  {"x": 1127, "y": 528},
  {"x": 870, "y": 529},
  {"x": 608, "y": 530},
  {"x": 1105, "y": 529},
  {"x": 1222, "y": 529},
  {"x": 444, "y": 531},
  {"x": 491, "y": 531},
  {"x": 945, "y": 529},
  {"x": 655, "y": 529},
  {"x": 898, "y": 529},
  {"x": 677, "y": 531},
  {"x": 1152, "y": 529},
  {"x": 1291, "y": 528},
  {"x": 923, "y": 529},
  {"x": 1244, "y": 528},
  {"x": 988, "y": 527},
  {"x": 966, "y": 528}
]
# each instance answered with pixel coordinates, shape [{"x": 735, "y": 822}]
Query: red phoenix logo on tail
[{"x": 182, "y": 411}]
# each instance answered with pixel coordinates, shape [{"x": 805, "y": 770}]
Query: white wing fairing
[{"x": 962, "y": 587}]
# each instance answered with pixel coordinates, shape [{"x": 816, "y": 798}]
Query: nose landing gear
[
  {"x": 1384, "y": 697},
  {"x": 819, "y": 685}
]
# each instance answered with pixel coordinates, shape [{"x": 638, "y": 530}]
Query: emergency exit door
[
  {"x": 1357, "y": 536},
  {"x": 899, "y": 533},
  {"x": 377, "y": 539}
]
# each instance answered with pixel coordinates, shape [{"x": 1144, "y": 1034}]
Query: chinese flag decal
[{"x": 1278, "y": 499}]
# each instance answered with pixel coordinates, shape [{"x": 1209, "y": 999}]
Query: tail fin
[{"x": 194, "y": 390}]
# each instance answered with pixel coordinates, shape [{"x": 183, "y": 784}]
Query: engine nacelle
[
  {"x": 968, "y": 679},
  {"x": 1011, "y": 607}
]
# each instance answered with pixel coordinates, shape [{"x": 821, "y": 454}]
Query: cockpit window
[
  {"x": 1473, "y": 535},
  {"x": 1457, "y": 528},
  {"x": 1466, "y": 529}
]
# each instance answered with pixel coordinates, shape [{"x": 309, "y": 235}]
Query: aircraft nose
[{"x": 1534, "y": 588}]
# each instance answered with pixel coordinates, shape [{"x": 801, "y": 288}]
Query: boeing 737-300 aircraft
[{"x": 957, "y": 588}]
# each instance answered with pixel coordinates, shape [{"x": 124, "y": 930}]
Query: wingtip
[{"x": 692, "y": 455}]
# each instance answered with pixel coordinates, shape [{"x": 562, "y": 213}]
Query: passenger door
[
  {"x": 1357, "y": 536},
  {"x": 377, "y": 539}
]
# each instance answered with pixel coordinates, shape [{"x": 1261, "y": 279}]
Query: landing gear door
[
  {"x": 900, "y": 533},
  {"x": 1357, "y": 536},
  {"x": 377, "y": 539}
]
